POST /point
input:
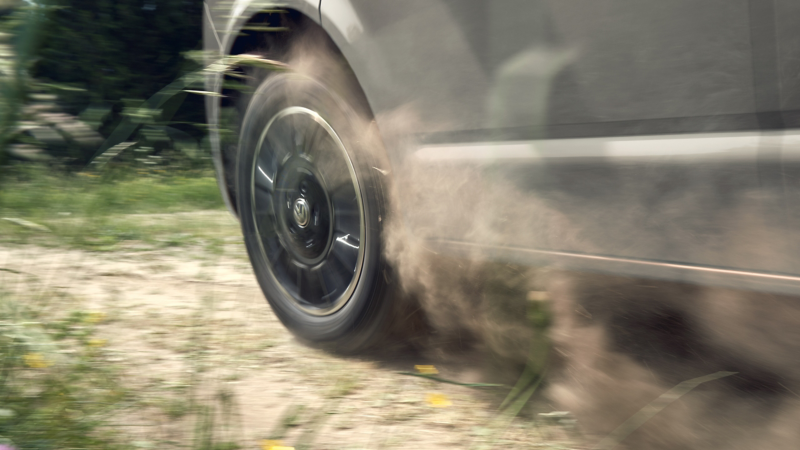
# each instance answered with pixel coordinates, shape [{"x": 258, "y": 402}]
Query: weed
[{"x": 55, "y": 391}]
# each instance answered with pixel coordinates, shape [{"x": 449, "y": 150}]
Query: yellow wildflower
[
  {"x": 95, "y": 317},
  {"x": 438, "y": 401},
  {"x": 427, "y": 370},
  {"x": 36, "y": 361},
  {"x": 274, "y": 445},
  {"x": 96, "y": 343}
]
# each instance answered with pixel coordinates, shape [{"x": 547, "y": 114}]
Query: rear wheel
[{"x": 311, "y": 206}]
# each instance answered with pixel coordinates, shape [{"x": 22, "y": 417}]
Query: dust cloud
[{"x": 618, "y": 343}]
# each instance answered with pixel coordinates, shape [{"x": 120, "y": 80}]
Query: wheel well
[
  {"x": 267, "y": 34},
  {"x": 276, "y": 34}
]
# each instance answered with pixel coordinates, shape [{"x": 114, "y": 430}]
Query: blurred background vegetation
[
  {"x": 81, "y": 137},
  {"x": 71, "y": 73},
  {"x": 73, "y": 70}
]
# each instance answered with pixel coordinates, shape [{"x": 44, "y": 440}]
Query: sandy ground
[{"x": 190, "y": 327}]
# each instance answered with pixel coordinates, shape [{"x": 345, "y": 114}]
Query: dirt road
[{"x": 187, "y": 326}]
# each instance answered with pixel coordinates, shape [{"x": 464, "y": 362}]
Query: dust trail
[
  {"x": 618, "y": 343},
  {"x": 623, "y": 342}
]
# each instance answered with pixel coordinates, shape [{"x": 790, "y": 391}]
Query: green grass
[
  {"x": 35, "y": 193},
  {"x": 55, "y": 391},
  {"x": 104, "y": 211},
  {"x": 59, "y": 388}
]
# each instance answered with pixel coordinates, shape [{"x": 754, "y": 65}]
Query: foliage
[
  {"x": 93, "y": 209},
  {"x": 19, "y": 29},
  {"x": 52, "y": 398},
  {"x": 96, "y": 61},
  {"x": 118, "y": 48}
]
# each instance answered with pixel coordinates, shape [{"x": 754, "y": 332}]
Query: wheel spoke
[
  {"x": 337, "y": 177},
  {"x": 347, "y": 214},
  {"x": 279, "y": 143},
  {"x": 345, "y": 249},
  {"x": 264, "y": 174},
  {"x": 288, "y": 271},
  {"x": 347, "y": 222},
  {"x": 326, "y": 293},
  {"x": 279, "y": 254},
  {"x": 298, "y": 132},
  {"x": 263, "y": 209},
  {"x": 313, "y": 288},
  {"x": 313, "y": 138},
  {"x": 335, "y": 278},
  {"x": 263, "y": 199},
  {"x": 272, "y": 245},
  {"x": 299, "y": 282},
  {"x": 343, "y": 191},
  {"x": 279, "y": 262},
  {"x": 266, "y": 226}
]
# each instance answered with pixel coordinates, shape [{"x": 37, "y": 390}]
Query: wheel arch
[{"x": 225, "y": 34}]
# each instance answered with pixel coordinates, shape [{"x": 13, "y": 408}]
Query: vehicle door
[
  {"x": 633, "y": 129},
  {"x": 787, "y": 97}
]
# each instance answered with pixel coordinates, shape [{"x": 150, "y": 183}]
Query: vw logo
[{"x": 302, "y": 213}]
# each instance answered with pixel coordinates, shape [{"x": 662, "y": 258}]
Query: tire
[{"x": 312, "y": 209}]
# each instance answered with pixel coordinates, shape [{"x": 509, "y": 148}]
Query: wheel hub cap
[
  {"x": 301, "y": 212},
  {"x": 307, "y": 210},
  {"x": 305, "y": 217}
]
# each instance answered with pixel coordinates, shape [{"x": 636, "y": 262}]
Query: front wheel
[{"x": 311, "y": 206}]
